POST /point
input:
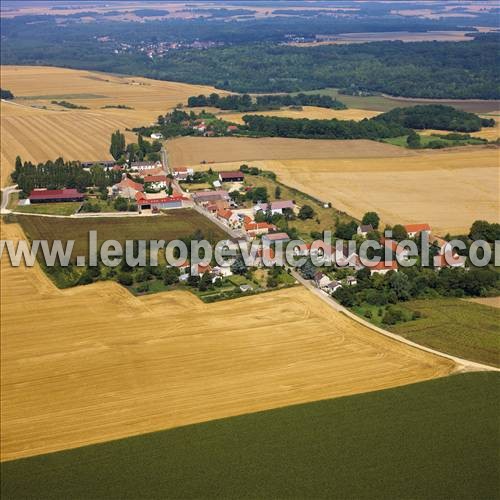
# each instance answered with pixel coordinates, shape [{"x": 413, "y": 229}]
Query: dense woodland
[
  {"x": 253, "y": 58},
  {"x": 273, "y": 126},
  {"x": 264, "y": 102},
  {"x": 436, "y": 116}
]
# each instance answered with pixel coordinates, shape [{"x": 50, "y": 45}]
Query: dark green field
[
  {"x": 176, "y": 224},
  {"x": 431, "y": 440},
  {"x": 457, "y": 327}
]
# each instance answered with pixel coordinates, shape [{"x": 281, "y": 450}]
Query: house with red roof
[
  {"x": 127, "y": 188},
  {"x": 414, "y": 230},
  {"x": 254, "y": 229},
  {"x": 383, "y": 267},
  {"x": 55, "y": 195},
  {"x": 159, "y": 201},
  {"x": 449, "y": 259},
  {"x": 160, "y": 181},
  {"x": 234, "y": 176}
]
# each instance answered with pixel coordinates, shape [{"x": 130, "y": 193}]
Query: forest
[
  {"x": 253, "y": 55},
  {"x": 435, "y": 116}
]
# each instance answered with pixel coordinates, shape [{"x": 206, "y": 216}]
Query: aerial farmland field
[
  {"x": 39, "y": 134},
  {"x": 186, "y": 151},
  {"x": 135, "y": 365},
  {"x": 359, "y": 176}
]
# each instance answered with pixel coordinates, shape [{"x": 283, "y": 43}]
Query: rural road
[
  {"x": 462, "y": 364},
  {"x": 6, "y": 192}
]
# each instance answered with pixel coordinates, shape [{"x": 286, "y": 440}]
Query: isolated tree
[
  {"x": 117, "y": 147},
  {"x": 306, "y": 212},
  {"x": 371, "y": 218},
  {"x": 239, "y": 266},
  {"x": 277, "y": 193},
  {"x": 308, "y": 270}
]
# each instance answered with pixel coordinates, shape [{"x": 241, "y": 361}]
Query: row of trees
[
  {"x": 59, "y": 174},
  {"x": 272, "y": 126},
  {"x": 245, "y": 102}
]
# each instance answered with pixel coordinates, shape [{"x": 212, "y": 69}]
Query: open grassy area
[
  {"x": 426, "y": 139},
  {"x": 383, "y": 103},
  {"x": 65, "y": 208},
  {"x": 424, "y": 441},
  {"x": 457, "y": 327},
  {"x": 174, "y": 224}
]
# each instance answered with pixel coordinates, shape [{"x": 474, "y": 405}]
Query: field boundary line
[{"x": 463, "y": 365}]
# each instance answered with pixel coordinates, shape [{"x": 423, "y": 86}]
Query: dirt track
[{"x": 94, "y": 363}]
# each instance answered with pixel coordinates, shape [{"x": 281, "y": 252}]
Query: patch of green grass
[
  {"x": 375, "y": 313},
  {"x": 456, "y": 327},
  {"x": 425, "y": 140},
  {"x": 63, "y": 208},
  {"x": 429, "y": 440}
]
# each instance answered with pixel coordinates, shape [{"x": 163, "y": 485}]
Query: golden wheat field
[
  {"x": 94, "y": 363},
  {"x": 42, "y": 134},
  {"x": 191, "y": 151},
  {"x": 310, "y": 112}
]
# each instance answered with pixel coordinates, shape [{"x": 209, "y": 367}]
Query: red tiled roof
[
  {"x": 129, "y": 183},
  {"x": 54, "y": 194},
  {"x": 142, "y": 199},
  {"x": 230, "y": 175},
  {"x": 382, "y": 266},
  {"x": 417, "y": 228},
  {"x": 225, "y": 214},
  {"x": 253, "y": 226}
]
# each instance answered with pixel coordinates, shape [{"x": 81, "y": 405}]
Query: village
[{"x": 246, "y": 212}]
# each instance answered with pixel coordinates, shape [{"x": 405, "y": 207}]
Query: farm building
[
  {"x": 156, "y": 136},
  {"x": 231, "y": 176},
  {"x": 276, "y": 207},
  {"x": 145, "y": 165},
  {"x": 54, "y": 195},
  {"x": 256, "y": 228},
  {"x": 383, "y": 267},
  {"x": 275, "y": 237},
  {"x": 182, "y": 173},
  {"x": 163, "y": 202},
  {"x": 415, "y": 229},
  {"x": 364, "y": 229},
  {"x": 104, "y": 163},
  {"x": 210, "y": 196},
  {"x": 127, "y": 188}
]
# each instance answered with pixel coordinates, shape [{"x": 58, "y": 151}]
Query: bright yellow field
[
  {"x": 311, "y": 112},
  {"x": 489, "y": 133},
  {"x": 39, "y": 134},
  {"x": 190, "y": 151},
  {"x": 94, "y": 363}
]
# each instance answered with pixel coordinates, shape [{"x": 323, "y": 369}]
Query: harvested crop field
[
  {"x": 94, "y": 363},
  {"x": 310, "y": 112},
  {"x": 193, "y": 150},
  {"x": 39, "y": 134}
]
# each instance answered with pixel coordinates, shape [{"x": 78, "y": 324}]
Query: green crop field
[
  {"x": 176, "y": 224},
  {"x": 65, "y": 208},
  {"x": 436, "y": 439},
  {"x": 457, "y": 327}
]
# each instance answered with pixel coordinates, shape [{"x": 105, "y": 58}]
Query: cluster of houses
[
  {"x": 202, "y": 128},
  {"x": 151, "y": 192},
  {"x": 350, "y": 259}
]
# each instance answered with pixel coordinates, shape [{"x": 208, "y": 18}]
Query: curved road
[{"x": 463, "y": 365}]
